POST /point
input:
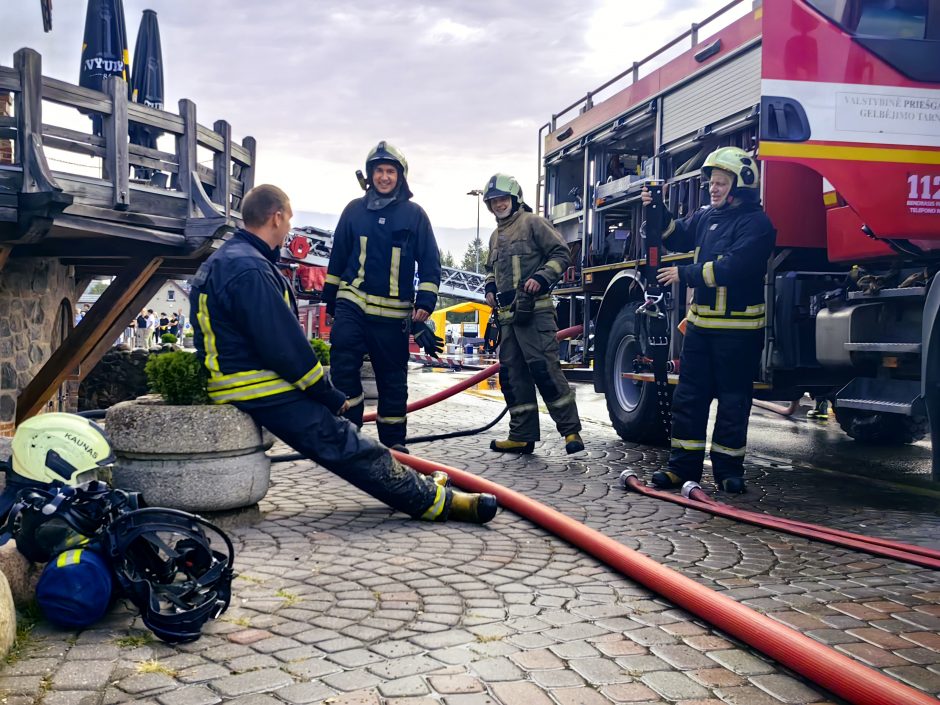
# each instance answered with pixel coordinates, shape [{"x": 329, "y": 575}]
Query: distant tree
[
  {"x": 469, "y": 262},
  {"x": 447, "y": 259},
  {"x": 98, "y": 287}
]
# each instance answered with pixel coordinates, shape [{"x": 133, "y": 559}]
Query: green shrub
[
  {"x": 168, "y": 338},
  {"x": 179, "y": 377},
  {"x": 322, "y": 350}
]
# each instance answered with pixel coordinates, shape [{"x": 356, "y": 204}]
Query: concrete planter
[{"x": 196, "y": 458}]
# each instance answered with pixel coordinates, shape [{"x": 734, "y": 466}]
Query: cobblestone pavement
[{"x": 339, "y": 600}]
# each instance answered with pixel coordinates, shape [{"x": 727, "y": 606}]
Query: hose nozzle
[
  {"x": 689, "y": 487},
  {"x": 625, "y": 478}
]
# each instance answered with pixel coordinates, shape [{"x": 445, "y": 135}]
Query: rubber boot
[
  {"x": 821, "y": 412},
  {"x": 573, "y": 443},
  {"x": 473, "y": 507},
  {"x": 733, "y": 485},
  {"x": 521, "y": 447},
  {"x": 665, "y": 480},
  {"x": 401, "y": 449}
]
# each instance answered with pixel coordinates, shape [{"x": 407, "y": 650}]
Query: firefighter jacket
[
  {"x": 731, "y": 245},
  {"x": 372, "y": 263},
  {"x": 525, "y": 246},
  {"x": 247, "y": 333}
]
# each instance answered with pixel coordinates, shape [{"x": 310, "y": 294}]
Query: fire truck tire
[
  {"x": 632, "y": 406},
  {"x": 882, "y": 429}
]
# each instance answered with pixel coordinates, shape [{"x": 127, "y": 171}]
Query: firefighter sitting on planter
[
  {"x": 724, "y": 332},
  {"x": 526, "y": 257}
]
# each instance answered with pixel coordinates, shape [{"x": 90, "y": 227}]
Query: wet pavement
[{"x": 339, "y": 600}]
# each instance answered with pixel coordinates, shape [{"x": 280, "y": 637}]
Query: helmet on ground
[
  {"x": 74, "y": 589},
  {"x": 502, "y": 185},
  {"x": 385, "y": 152},
  {"x": 736, "y": 162},
  {"x": 46, "y": 521},
  {"x": 57, "y": 447},
  {"x": 175, "y": 567}
]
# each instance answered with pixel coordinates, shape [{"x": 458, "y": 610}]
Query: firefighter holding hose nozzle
[
  {"x": 724, "y": 329},
  {"x": 526, "y": 257}
]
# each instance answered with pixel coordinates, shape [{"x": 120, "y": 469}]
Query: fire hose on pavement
[
  {"x": 695, "y": 497},
  {"x": 822, "y": 664}
]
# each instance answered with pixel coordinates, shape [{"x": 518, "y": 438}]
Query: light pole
[{"x": 477, "y": 244}]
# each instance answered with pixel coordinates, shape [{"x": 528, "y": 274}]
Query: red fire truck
[{"x": 840, "y": 100}]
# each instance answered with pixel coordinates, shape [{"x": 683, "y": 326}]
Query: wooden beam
[
  {"x": 4, "y": 256},
  {"x": 248, "y": 173},
  {"x": 116, "y": 165},
  {"x": 222, "y": 163},
  {"x": 133, "y": 307},
  {"x": 86, "y": 336},
  {"x": 28, "y": 111},
  {"x": 186, "y": 153}
]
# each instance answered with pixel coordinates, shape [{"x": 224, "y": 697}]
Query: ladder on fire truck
[{"x": 312, "y": 246}]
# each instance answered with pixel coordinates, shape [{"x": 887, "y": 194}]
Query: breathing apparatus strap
[{"x": 651, "y": 314}]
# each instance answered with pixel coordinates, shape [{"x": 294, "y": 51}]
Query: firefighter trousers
[
  {"x": 333, "y": 442},
  {"x": 528, "y": 358},
  {"x": 718, "y": 365},
  {"x": 386, "y": 342}
]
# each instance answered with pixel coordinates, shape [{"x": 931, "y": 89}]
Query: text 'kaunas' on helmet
[
  {"x": 503, "y": 185},
  {"x": 740, "y": 165},
  {"x": 385, "y": 153},
  {"x": 57, "y": 447}
]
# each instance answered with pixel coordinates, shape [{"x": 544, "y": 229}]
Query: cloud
[{"x": 460, "y": 87}]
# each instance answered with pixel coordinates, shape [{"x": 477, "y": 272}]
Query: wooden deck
[{"x": 143, "y": 233}]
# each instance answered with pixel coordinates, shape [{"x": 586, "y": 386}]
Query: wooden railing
[{"x": 189, "y": 203}]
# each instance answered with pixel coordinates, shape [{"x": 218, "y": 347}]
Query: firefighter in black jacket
[
  {"x": 370, "y": 290},
  {"x": 248, "y": 336},
  {"x": 724, "y": 329}
]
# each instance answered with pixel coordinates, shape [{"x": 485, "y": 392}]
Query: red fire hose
[
  {"x": 776, "y": 408},
  {"x": 697, "y": 499},
  {"x": 823, "y": 665},
  {"x": 471, "y": 381}
]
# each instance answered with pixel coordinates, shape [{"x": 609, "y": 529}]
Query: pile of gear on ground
[{"x": 100, "y": 544}]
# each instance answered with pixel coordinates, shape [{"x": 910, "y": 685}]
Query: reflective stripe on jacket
[
  {"x": 247, "y": 333},
  {"x": 731, "y": 246}
]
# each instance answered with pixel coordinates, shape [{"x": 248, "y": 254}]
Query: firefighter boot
[
  {"x": 473, "y": 507},
  {"x": 733, "y": 485},
  {"x": 520, "y": 447},
  {"x": 820, "y": 412},
  {"x": 666, "y": 480},
  {"x": 573, "y": 443}
]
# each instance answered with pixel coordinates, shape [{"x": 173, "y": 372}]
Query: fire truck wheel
[
  {"x": 882, "y": 429},
  {"x": 633, "y": 407}
]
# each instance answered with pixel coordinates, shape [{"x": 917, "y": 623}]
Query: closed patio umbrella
[
  {"x": 104, "y": 50},
  {"x": 147, "y": 82}
]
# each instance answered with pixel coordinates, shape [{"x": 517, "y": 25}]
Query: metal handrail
[{"x": 634, "y": 69}]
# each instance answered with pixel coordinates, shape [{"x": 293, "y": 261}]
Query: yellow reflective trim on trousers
[
  {"x": 393, "y": 272},
  {"x": 332, "y": 279},
  {"x": 202, "y": 318},
  {"x": 725, "y": 450},
  {"x": 361, "y": 274},
  {"x": 708, "y": 274},
  {"x": 554, "y": 266},
  {"x": 437, "y": 506},
  {"x": 523, "y": 407},
  {"x": 391, "y": 420},
  {"x": 428, "y": 286},
  {"x": 516, "y": 270},
  {"x": 355, "y": 401},
  {"x": 725, "y": 323},
  {"x": 561, "y": 401},
  {"x": 311, "y": 378},
  {"x": 69, "y": 558},
  {"x": 375, "y": 309},
  {"x": 687, "y": 445},
  {"x": 251, "y": 391}
]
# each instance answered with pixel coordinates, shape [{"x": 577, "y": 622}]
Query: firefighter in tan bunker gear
[{"x": 526, "y": 257}]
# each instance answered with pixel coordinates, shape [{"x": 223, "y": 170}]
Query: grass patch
[
  {"x": 288, "y": 597},
  {"x": 249, "y": 579},
  {"x": 240, "y": 621},
  {"x": 484, "y": 638},
  {"x": 26, "y": 621},
  {"x": 136, "y": 640},
  {"x": 154, "y": 666}
]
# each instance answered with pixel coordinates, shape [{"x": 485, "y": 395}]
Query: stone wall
[
  {"x": 36, "y": 308},
  {"x": 119, "y": 376}
]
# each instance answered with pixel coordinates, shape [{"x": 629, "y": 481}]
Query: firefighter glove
[{"x": 425, "y": 337}]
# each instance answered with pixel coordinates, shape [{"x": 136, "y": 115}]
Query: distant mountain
[{"x": 453, "y": 240}]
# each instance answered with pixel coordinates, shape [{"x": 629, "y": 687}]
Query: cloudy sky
[{"x": 461, "y": 87}]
